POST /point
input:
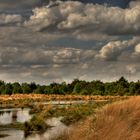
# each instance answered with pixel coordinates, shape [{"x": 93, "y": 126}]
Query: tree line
[{"x": 120, "y": 87}]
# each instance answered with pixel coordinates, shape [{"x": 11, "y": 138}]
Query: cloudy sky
[{"x": 66, "y": 40}]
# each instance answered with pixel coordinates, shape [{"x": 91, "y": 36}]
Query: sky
[{"x": 88, "y": 40}]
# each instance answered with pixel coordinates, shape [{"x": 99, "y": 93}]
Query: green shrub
[{"x": 36, "y": 124}]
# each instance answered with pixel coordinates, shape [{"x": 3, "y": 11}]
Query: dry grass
[
  {"x": 117, "y": 121},
  {"x": 28, "y": 100},
  {"x": 42, "y": 97}
]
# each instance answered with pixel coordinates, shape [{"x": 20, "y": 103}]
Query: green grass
[
  {"x": 16, "y": 125},
  {"x": 70, "y": 113},
  {"x": 35, "y": 125}
]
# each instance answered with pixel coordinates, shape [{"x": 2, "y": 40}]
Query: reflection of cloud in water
[
  {"x": 6, "y": 118},
  {"x": 34, "y": 137},
  {"x": 13, "y": 135},
  {"x": 22, "y": 115},
  {"x": 57, "y": 129}
]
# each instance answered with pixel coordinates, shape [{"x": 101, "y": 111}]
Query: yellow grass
[
  {"x": 117, "y": 121},
  {"x": 58, "y": 97}
]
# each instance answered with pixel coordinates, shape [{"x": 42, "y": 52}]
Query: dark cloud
[
  {"x": 19, "y": 4},
  {"x": 67, "y": 41},
  {"x": 79, "y": 18}
]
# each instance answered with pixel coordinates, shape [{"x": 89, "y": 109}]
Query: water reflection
[
  {"x": 57, "y": 128},
  {"x": 8, "y": 116},
  {"x": 68, "y": 102},
  {"x": 13, "y": 134}
]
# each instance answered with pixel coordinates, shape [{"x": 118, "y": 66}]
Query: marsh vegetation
[
  {"x": 36, "y": 120},
  {"x": 63, "y": 117}
]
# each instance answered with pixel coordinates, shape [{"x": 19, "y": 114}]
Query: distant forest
[{"x": 120, "y": 87}]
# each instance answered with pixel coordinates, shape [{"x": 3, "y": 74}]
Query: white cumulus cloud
[
  {"x": 10, "y": 19},
  {"x": 76, "y": 16}
]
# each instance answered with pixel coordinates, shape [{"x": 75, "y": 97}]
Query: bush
[{"x": 36, "y": 124}]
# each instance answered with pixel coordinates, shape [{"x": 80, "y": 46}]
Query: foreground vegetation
[
  {"x": 78, "y": 87},
  {"x": 117, "y": 121},
  {"x": 70, "y": 114},
  {"x": 15, "y": 125},
  {"x": 35, "y": 125},
  {"x": 102, "y": 119}
]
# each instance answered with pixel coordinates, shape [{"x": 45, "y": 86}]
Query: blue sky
[
  {"x": 72, "y": 39},
  {"x": 120, "y": 3}
]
